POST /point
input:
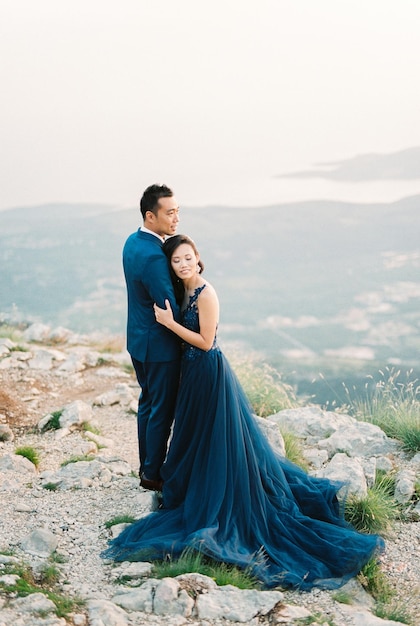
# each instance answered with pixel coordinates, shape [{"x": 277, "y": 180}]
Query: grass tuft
[
  {"x": 29, "y": 453},
  {"x": 77, "y": 458},
  {"x": 128, "y": 368},
  {"x": 265, "y": 390},
  {"x": 88, "y": 427},
  {"x": 19, "y": 348},
  {"x": 50, "y": 486},
  {"x": 54, "y": 422},
  {"x": 394, "y": 612},
  {"x": 375, "y": 582},
  {"x": 27, "y": 585},
  {"x": 394, "y": 406},
  {"x": 377, "y": 510},
  {"x": 113, "y": 344},
  {"x": 49, "y": 575},
  {"x": 120, "y": 519},
  {"x": 192, "y": 561},
  {"x": 8, "y": 331},
  {"x": 57, "y": 557},
  {"x": 342, "y": 597},
  {"x": 294, "y": 449}
]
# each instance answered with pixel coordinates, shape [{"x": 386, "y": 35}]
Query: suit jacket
[{"x": 148, "y": 281}]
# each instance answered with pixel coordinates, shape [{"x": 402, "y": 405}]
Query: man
[{"x": 154, "y": 350}]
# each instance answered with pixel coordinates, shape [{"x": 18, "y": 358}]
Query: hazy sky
[{"x": 101, "y": 98}]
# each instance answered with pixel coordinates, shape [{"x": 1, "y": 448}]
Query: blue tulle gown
[{"x": 228, "y": 494}]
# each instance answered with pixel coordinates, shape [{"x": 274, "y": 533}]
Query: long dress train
[{"x": 228, "y": 494}]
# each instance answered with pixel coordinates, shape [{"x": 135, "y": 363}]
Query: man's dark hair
[{"x": 150, "y": 198}]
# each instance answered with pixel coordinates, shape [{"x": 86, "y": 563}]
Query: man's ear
[{"x": 149, "y": 216}]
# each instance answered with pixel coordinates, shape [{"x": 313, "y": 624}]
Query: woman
[{"x": 226, "y": 492}]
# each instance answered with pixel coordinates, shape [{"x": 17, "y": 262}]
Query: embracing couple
[{"x": 225, "y": 491}]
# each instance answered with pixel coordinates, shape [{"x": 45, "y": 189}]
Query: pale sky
[{"x": 101, "y": 98}]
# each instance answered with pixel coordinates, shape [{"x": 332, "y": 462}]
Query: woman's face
[{"x": 184, "y": 261}]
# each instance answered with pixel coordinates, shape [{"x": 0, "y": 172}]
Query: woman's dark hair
[{"x": 169, "y": 247}]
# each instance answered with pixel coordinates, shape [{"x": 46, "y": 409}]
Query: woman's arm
[{"x": 208, "y": 313}]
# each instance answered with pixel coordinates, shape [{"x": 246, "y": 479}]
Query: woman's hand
[{"x": 164, "y": 316}]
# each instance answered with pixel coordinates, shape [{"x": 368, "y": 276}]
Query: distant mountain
[
  {"x": 312, "y": 286},
  {"x": 402, "y": 165}
]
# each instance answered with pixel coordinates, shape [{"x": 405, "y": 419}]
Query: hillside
[{"x": 314, "y": 286}]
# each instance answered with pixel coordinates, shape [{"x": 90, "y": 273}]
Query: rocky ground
[{"x": 77, "y": 517}]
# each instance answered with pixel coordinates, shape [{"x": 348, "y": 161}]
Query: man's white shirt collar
[{"x": 147, "y": 230}]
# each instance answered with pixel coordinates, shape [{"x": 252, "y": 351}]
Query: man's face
[{"x": 166, "y": 221}]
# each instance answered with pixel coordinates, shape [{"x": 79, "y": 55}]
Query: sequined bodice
[{"x": 190, "y": 319}]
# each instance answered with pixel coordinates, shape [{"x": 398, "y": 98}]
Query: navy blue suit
[{"x": 154, "y": 350}]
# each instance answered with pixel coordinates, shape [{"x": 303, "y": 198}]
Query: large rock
[
  {"x": 75, "y": 414},
  {"x": 44, "y": 359},
  {"x": 106, "y": 613},
  {"x": 311, "y": 423},
  {"x": 139, "y": 599},
  {"x": 171, "y": 599},
  {"x": 405, "y": 486},
  {"x": 74, "y": 363},
  {"x": 346, "y": 470},
  {"x": 35, "y": 603},
  {"x": 15, "y": 470},
  {"x": 237, "y": 605},
  {"x": 358, "y": 439},
  {"x": 79, "y": 475},
  {"x": 40, "y": 542},
  {"x": 273, "y": 434},
  {"x": 36, "y": 332}
]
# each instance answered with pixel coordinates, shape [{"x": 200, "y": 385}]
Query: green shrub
[
  {"x": 29, "y": 453},
  {"x": 394, "y": 406},
  {"x": 265, "y": 390}
]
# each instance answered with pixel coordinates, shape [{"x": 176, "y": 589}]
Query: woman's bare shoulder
[{"x": 208, "y": 293}]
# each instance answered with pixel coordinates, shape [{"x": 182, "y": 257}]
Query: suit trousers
[{"x": 159, "y": 383}]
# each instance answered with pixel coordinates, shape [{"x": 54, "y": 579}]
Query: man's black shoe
[{"x": 148, "y": 483}]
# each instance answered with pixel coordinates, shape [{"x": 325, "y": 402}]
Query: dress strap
[{"x": 196, "y": 293}]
